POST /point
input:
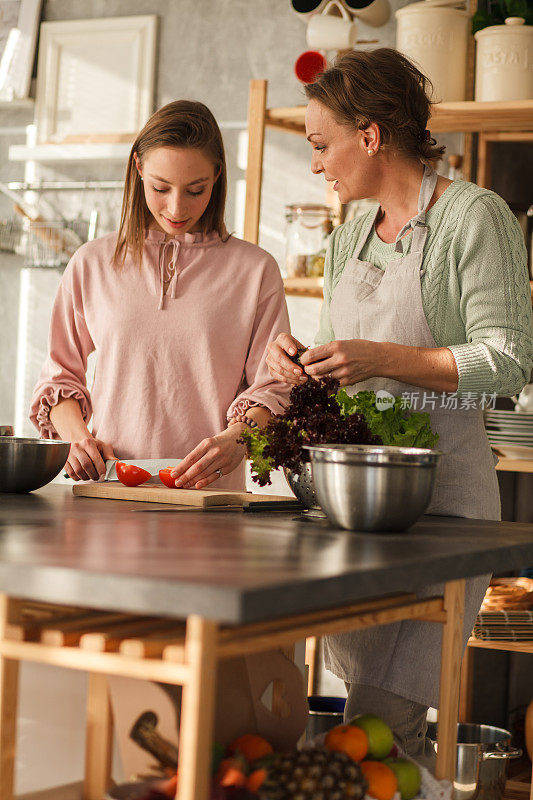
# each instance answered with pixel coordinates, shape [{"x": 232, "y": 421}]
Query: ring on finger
[{"x": 218, "y": 472}]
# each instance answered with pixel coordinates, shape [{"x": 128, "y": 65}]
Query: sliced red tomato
[
  {"x": 166, "y": 478},
  {"x": 130, "y": 475}
]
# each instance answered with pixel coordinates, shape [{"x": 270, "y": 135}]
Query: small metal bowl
[
  {"x": 131, "y": 791},
  {"x": 302, "y": 485},
  {"x": 28, "y": 464},
  {"x": 369, "y": 488}
]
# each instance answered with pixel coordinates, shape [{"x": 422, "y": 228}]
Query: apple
[
  {"x": 408, "y": 776},
  {"x": 380, "y": 740}
]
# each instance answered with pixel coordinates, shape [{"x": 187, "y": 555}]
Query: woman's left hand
[
  {"x": 350, "y": 361},
  {"x": 213, "y": 457}
]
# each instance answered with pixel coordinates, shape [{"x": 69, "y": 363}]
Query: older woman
[{"x": 426, "y": 295}]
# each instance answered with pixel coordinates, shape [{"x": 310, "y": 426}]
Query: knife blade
[{"x": 151, "y": 465}]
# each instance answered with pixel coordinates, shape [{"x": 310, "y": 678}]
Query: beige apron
[{"x": 386, "y": 306}]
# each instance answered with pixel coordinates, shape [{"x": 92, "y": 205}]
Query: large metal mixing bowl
[
  {"x": 28, "y": 464},
  {"x": 369, "y": 488}
]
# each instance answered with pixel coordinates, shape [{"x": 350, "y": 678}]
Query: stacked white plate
[{"x": 510, "y": 433}]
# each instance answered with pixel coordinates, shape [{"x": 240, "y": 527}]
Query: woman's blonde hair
[
  {"x": 184, "y": 124},
  {"x": 384, "y": 87}
]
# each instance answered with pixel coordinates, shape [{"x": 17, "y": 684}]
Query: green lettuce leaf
[
  {"x": 395, "y": 425},
  {"x": 256, "y": 440}
]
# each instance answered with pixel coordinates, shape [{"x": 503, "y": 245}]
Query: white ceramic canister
[
  {"x": 504, "y": 61},
  {"x": 435, "y": 38}
]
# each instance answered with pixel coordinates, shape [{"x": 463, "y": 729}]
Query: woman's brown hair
[
  {"x": 184, "y": 124},
  {"x": 384, "y": 87}
]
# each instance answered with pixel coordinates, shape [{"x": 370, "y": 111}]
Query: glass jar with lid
[{"x": 308, "y": 227}]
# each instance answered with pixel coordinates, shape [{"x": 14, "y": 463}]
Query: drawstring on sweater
[{"x": 174, "y": 245}]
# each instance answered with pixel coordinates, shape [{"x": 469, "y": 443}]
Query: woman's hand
[
  {"x": 86, "y": 459},
  {"x": 218, "y": 455},
  {"x": 279, "y": 364},
  {"x": 348, "y": 361}
]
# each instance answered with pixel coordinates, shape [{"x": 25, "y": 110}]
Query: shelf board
[
  {"x": 304, "y": 287},
  {"x": 95, "y": 151},
  {"x": 514, "y": 465},
  {"x": 470, "y": 116},
  {"x": 467, "y": 116},
  {"x": 18, "y": 102},
  {"x": 517, "y": 647}
]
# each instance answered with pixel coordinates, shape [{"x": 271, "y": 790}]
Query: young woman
[
  {"x": 179, "y": 313},
  {"x": 427, "y": 295}
]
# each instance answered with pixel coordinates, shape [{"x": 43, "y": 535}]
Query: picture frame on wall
[
  {"x": 95, "y": 79},
  {"x": 19, "y": 24}
]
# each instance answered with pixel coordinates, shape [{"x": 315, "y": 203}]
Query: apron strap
[
  {"x": 427, "y": 187},
  {"x": 366, "y": 233}
]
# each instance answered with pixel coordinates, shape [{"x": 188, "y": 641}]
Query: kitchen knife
[{"x": 151, "y": 465}]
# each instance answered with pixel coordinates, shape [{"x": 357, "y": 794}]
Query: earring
[
  {"x": 370, "y": 152},
  {"x": 143, "y": 178}
]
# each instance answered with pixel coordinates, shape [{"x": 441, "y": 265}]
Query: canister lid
[
  {"x": 454, "y": 6},
  {"x": 514, "y": 25}
]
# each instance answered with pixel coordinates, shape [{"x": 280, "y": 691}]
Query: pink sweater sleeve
[
  {"x": 271, "y": 319},
  {"x": 63, "y": 373}
]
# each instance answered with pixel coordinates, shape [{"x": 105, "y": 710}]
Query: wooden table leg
[
  {"x": 99, "y": 738},
  {"x": 9, "y": 672},
  {"x": 197, "y": 710},
  {"x": 311, "y": 659},
  {"x": 467, "y": 686},
  {"x": 452, "y": 648}
]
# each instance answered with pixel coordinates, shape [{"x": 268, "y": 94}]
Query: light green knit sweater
[{"x": 475, "y": 289}]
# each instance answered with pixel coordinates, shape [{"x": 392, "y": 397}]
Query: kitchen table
[{"x": 241, "y": 582}]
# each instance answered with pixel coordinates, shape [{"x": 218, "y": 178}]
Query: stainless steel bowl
[
  {"x": 302, "y": 485},
  {"x": 368, "y": 488},
  {"x": 28, "y": 464}
]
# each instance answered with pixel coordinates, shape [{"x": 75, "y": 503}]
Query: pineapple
[{"x": 312, "y": 775}]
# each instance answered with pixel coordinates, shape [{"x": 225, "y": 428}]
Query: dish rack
[
  {"x": 11, "y": 231},
  {"x": 51, "y": 244},
  {"x": 47, "y": 244}
]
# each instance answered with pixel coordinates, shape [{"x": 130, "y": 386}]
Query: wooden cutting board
[{"x": 148, "y": 493}]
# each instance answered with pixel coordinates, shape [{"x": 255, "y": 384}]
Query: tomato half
[
  {"x": 130, "y": 475},
  {"x": 165, "y": 477}
]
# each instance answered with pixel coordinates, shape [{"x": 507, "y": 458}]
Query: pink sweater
[{"x": 170, "y": 369}]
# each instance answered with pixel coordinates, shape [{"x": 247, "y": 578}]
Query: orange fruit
[
  {"x": 231, "y": 772},
  {"x": 256, "y": 779},
  {"x": 348, "y": 739},
  {"x": 251, "y": 746},
  {"x": 382, "y": 782}
]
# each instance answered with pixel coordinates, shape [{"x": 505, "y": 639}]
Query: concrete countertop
[{"x": 230, "y": 566}]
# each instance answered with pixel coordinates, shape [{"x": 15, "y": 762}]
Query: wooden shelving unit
[
  {"x": 520, "y": 786},
  {"x": 501, "y": 121}
]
